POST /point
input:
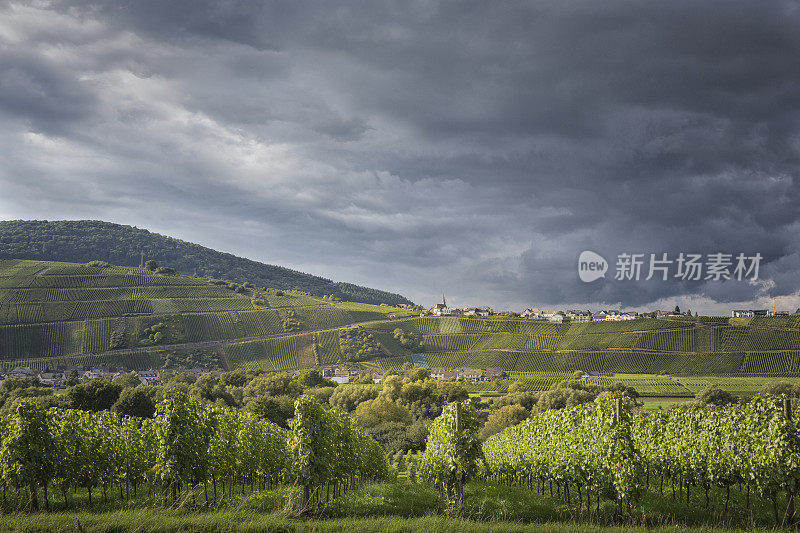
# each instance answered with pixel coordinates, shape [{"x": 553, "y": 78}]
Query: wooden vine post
[
  {"x": 617, "y": 420},
  {"x": 460, "y": 485},
  {"x": 787, "y": 414}
]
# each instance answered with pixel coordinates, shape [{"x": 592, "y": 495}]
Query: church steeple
[{"x": 444, "y": 302}]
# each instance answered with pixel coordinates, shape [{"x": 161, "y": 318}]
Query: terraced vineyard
[
  {"x": 660, "y": 351},
  {"x": 327, "y": 347},
  {"x": 470, "y": 359},
  {"x": 774, "y": 363},
  {"x": 61, "y": 313},
  {"x": 387, "y": 363},
  {"x": 458, "y": 342},
  {"x": 282, "y": 353},
  {"x": 540, "y": 381},
  {"x": 198, "y": 327},
  {"x": 124, "y": 359}
]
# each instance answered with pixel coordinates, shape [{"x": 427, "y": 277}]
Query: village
[
  {"x": 577, "y": 315},
  {"x": 550, "y": 315},
  {"x": 70, "y": 375}
]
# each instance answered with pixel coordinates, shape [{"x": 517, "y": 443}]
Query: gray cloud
[{"x": 470, "y": 146}]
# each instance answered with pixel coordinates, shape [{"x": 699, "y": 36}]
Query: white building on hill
[{"x": 442, "y": 309}]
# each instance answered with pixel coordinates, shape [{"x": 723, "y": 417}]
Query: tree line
[{"x": 81, "y": 241}]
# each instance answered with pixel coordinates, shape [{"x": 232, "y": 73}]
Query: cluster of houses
[
  {"x": 443, "y": 309},
  {"x": 577, "y": 315},
  {"x": 475, "y": 375},
  {"x": 339, "y": 375},
  {"x": 749, "y": 313},
  {"x": 551, "y": 315},
  {"x": 54, "y": 378},
  {"x": 574, "y": 315}
]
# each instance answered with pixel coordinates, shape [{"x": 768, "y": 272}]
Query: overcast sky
[{"x": 417, "y": 146}]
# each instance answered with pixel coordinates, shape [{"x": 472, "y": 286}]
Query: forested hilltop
[{"x": 81, "y": 241}]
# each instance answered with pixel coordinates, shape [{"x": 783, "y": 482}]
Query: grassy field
[
  {"x": 652, "y": 404},
  {"x": 400, "y": 506},
  {"x": 252, "y": 521},
  {"x": 654, "y": 385}
]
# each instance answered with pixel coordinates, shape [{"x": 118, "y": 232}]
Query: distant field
[
  {"x": 654, "y": 385},
  {"x": 652, "y": 404}
]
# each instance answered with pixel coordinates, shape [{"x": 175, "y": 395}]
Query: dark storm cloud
[
  {"x": 476, "y": 147},
  {"x": 40, "y": 91}
]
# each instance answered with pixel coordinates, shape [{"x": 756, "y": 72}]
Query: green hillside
[
  {"x": 59, "y": 314},
  {"x": 81, "y": 241},
  {"x": 55, "y": 314},
  {"x": 767, "y": 346}
]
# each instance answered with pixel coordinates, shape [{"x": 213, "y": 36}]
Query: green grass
[
  {"x": 651, "y": 404},
  {"x": 252, "y": 521},
  {"x": 399, "y": 506}
]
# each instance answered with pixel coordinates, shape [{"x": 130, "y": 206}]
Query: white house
[
  {"x": 21, "y": 372},
  {"x": 51, "y": 378},
  {"x": 443, "y": 373},
  {"x": 579, "y": 316},
  {"x": 470, "y": 374},
  {"x": 492, "y": 372},
  {"x": 532, "y": 312},
  {"x": 442, "y": 309},
  {"x": 149, "y": 377},
  {"x": 748, "y": 313},
  {"x": 99, "y": 373}
]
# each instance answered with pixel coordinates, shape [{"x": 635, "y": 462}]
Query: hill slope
[
  {"x": 54, "y": 314},
  {"x": 59, "y": 314},
  {"x": 81, "y": 241}
]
